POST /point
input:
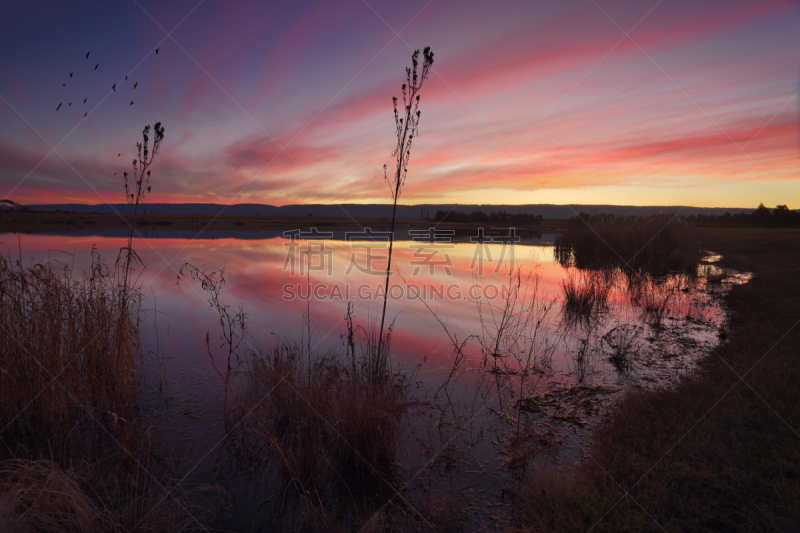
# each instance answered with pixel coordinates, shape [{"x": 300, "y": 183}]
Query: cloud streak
[{"x": 549, "y": 100}]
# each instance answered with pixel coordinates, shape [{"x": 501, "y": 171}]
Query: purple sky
[{"x": 528, "y": 102}]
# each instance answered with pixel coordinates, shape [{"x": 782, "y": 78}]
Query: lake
[{"x": 498, "y": 338}]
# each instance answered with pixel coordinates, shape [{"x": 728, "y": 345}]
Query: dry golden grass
[
  {"x": 323, "y": 430},
  {"x": 41, "y": 496},
  {"x": 73, "y": 367},
  {"x": 67, "y": 345}
]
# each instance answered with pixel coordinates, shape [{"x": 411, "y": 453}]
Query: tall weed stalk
[{"x": 406, "y": 124}]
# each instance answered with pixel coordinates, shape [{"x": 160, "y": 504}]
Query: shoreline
[{"x": 714, "y": 452}]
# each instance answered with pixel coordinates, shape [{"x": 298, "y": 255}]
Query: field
[{"x": 720, "y": 452}]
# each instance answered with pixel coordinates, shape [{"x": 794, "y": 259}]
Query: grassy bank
[
  {"x": 77, "y": 452},
  {"x": 714, "y": 453}
]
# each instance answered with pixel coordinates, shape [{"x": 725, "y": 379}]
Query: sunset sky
[{"x": 608, "y": 101}]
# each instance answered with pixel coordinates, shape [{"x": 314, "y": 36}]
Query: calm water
[{"x": 445, "y": 288}]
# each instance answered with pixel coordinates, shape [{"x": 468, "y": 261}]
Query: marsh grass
[
  {"x": 654, "y": 243},
  {"x": 40, "y": 495},
  {"x": 68, "y": 344},
  {"x": 709, "y": 454},
  {"x": 78, "y": 451},
  {"x": 335, "y": 416},
  {"x": 656, "y": 298},
  {"x": 321, "y": 433},
  {"x": 586, "y": 292},
  {"x": 321, "y": 429}
]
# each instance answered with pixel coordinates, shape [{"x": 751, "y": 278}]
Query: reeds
[
  {"x": 653, "y": 243},
  {"x": 67, "y": 345},
  {"x": 321, "y": 429},
  {"x": 653, "y": 296},
  {"x": 586, "y": 291},
  {"x": 328, "y": 416},
  {"x": 73, "y": 368},
  {"x": 40, "y": 495}
]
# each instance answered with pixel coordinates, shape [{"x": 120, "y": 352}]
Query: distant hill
[{"x": 548, "y": 211}]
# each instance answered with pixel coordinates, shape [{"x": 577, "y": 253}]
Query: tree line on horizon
[
  {"x": 780, "y": 217},
  {"x": 496, "y": 217}
]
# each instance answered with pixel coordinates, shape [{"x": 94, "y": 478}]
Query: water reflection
[{"x": 499, "y": 354}]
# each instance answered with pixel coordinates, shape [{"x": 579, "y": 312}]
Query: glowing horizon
[{"x": 543, "y": 103}]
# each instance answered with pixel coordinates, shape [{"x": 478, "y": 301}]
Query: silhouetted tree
[
  {"x": 783, "y": 216},
  {"x": 406, "y": 123},
  {"x": 761, "y": 215}
]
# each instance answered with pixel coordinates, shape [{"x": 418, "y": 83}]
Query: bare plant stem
[{"x": 405, "y": 128}]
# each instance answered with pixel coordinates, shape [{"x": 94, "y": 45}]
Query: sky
[{"x": 651, "y": 102}]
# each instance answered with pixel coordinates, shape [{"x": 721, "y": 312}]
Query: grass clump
[
  {"x": 40, "y": 495},
  {"x": 67, "y": 345},
  {"x": 321, "y": 430},
  {"x": 586, "y": 291},
  {"x": 655, "y": 298},
  {"x": 326, "y": 417},
  {"x": 652, "y": 243},
  {"x": 77, "y": 453}
]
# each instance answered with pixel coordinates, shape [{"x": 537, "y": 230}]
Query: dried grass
[
  {"x": 67, "y": 345},
  {"x": 586, "y": 292},
  {"x": 653, "y": 243},
  {"x": 329, "y": 412},
  {"x": 41, "y": 496}
]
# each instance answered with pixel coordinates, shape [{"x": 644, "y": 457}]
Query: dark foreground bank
[{"x": 720, "y": 452}]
